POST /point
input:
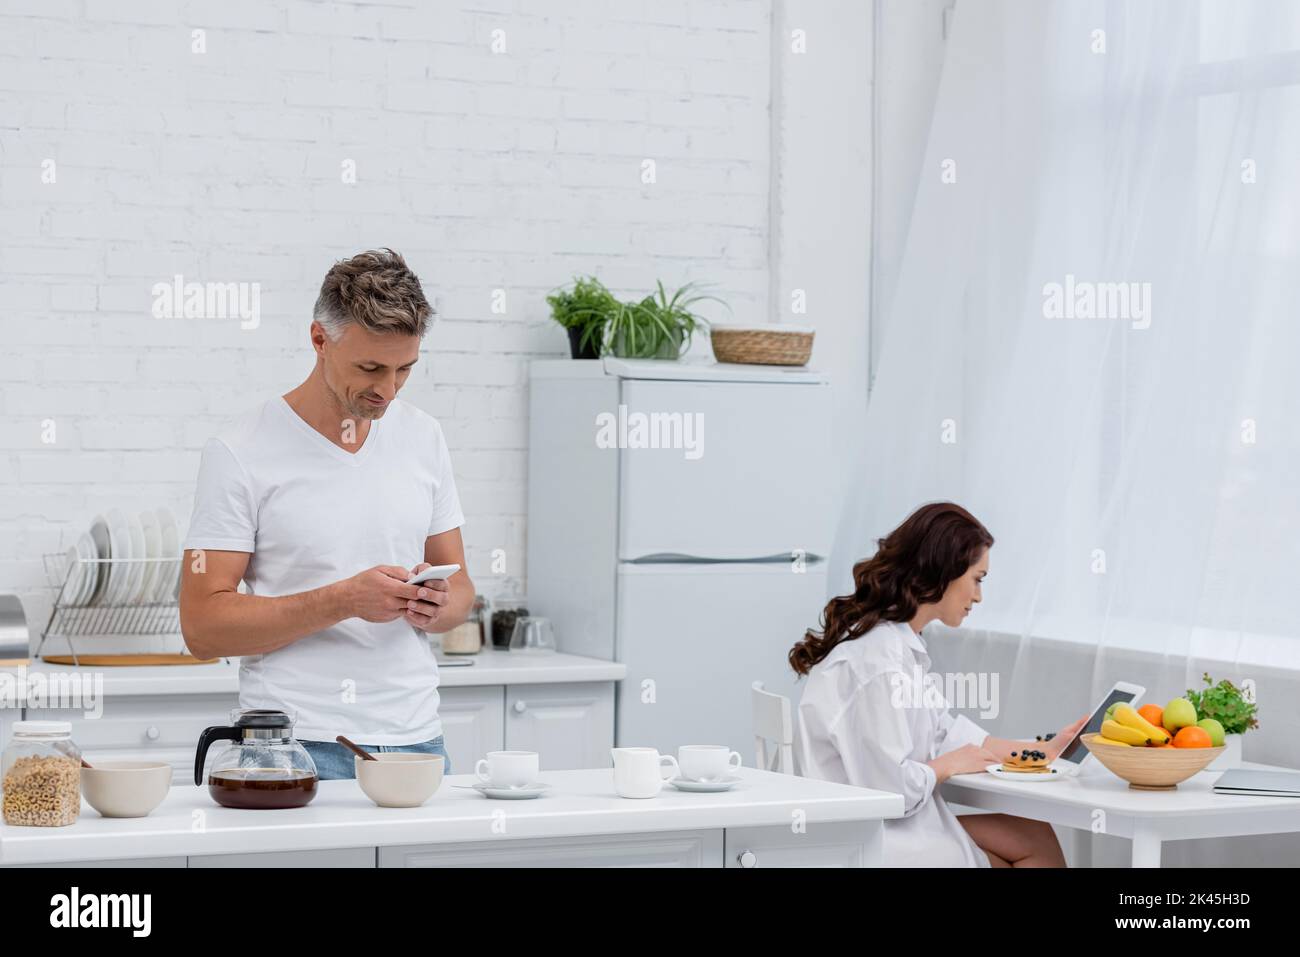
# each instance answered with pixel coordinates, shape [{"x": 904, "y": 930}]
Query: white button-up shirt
[{"x": 869, "y": 717}]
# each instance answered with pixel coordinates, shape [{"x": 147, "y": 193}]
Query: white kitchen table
[
  {"x": 1098, "y": 802},
  {"x": 768, "y": 819}
]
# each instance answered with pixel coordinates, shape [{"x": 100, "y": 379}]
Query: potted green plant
[
  {"x": 659, "y": 326},
  {"x": 583, "y": 311},
  {"x": 1224, "y": 703}
]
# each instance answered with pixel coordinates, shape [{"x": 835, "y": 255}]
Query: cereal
[{"x": 42, "y": 791}]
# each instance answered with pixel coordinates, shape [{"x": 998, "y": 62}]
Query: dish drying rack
[{"x": 101, "y": 618}]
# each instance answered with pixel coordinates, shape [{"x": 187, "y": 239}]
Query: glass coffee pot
[{"x": 263, "y": 767}]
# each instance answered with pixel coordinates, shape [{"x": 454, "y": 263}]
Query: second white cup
[
  {"x": 507, "y": 769},
  {"x": 639, "y": 772},
  {"x": 707, "y": 762}
]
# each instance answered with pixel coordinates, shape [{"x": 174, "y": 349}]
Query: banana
[
  {"x": 1128, "y": 716},
  {"x": 1116, "y": 733}
]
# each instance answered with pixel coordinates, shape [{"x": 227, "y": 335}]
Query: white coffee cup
[
  {"x": 507, "y": 769},
  {"x": 639, "y": 772},
  {"x": 707, "y": 762}
]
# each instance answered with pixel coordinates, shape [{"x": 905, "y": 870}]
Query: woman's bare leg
[
  {"x": 1017, "y": 841},
  {"x": 994, "y": 860}
]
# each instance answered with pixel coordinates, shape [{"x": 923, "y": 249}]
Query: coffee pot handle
[{"x": 209, "y": 735}]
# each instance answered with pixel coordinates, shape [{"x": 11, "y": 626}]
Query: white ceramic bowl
[
  {"x": 126, "y": 788},
  {"x": 399, "y": 778}
]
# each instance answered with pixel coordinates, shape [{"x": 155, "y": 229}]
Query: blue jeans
[{"x": 334, "y": 762}]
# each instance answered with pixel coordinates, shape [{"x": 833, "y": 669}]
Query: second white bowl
[
  {"x": 399, "y": 778},
  {"x": 126, "y": 788}
]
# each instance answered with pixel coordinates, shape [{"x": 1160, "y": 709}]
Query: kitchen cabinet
[
  {"x": 663, "y": 849},
  {"x": 128, "y": 862},
  {"x": 333, "y": 857},
  {"x": 569, "y": 725},
  {"x": 581, "y": 821},
  {"x": 473, "y": 723},
  {"x": 840, "y": 844},
  {"x": 848, "y": 844},
  {"x": 145, "y": 728}
]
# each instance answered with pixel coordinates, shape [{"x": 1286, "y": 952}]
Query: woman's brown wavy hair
[{"x": 937, "y": 544}]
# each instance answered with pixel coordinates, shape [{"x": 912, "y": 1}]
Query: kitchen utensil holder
[{"x": 102, "y": 619}]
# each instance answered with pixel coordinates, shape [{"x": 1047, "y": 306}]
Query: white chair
[{"x": 772, "y": 723}]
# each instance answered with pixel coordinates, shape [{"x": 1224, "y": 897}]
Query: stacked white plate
[
  {"x": 151, "y": 534},
  {"x": 84, "y": 575}
]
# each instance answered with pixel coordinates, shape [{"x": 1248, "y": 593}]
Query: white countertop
[
  {"x": 490, "y": 667},
  {"x": 579, "y": 803}
]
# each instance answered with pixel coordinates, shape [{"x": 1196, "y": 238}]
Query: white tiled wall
[{"x": 488, "y": 170}]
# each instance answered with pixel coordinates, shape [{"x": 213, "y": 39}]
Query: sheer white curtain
[{"x": 1139, "y": 469}]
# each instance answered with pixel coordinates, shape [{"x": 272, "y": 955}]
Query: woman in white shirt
[{"x": 872, "y": 715}]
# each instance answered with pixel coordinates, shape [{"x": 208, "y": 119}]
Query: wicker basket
[{"x": 762, "y": 345}]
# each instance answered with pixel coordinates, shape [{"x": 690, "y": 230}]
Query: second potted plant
[{"x": 660, "y": 326}]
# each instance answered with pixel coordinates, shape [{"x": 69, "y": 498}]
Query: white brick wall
[{"x": 485, "y": 170}]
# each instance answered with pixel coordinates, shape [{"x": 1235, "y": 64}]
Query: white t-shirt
[{"x": 311, "y": 513}]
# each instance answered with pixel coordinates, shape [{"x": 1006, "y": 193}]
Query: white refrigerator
[{"x": 679, "y": 521}]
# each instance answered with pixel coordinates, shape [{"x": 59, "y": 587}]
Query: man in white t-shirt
[{"x": 324, "y": 501}]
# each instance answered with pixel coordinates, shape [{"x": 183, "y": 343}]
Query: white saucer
[
  {"x": 1053, "y": 774},
  {"x": 523, "y": 793},
  {"x": 705, "y": 787}
]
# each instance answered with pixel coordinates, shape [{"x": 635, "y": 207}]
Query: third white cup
[
  {"x": 707, "y": 762},
  {"x": 507, "y": 769}
]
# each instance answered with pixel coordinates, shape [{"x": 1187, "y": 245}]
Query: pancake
[{"x": 1027, "y": 761}]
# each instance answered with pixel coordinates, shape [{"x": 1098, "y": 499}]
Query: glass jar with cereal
[{"x": 40, "y": 775}]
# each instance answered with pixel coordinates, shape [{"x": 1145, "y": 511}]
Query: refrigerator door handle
[{"x": 680, "y": 558}]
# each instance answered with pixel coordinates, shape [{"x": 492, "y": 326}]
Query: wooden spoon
[{"x": 364, "y": 755}]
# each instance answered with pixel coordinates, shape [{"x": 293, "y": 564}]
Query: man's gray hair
[{"x": 376, "y": 290}]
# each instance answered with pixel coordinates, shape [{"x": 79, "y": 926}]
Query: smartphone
[{"x": 434, "y": 573}]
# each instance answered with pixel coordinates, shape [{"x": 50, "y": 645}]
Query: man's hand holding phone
[
  {"x": 425, "y": 609},
  {"x": 377, "y": 594},
  {"x": 388, "y": 592}
]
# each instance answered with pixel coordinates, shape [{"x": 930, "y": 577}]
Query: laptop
[{"x": 1259, "y": 783}]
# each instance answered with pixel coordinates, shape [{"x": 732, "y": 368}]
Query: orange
[
  {"x": 1153, "y": 713},
  {"x": 1192, "y": 737}
]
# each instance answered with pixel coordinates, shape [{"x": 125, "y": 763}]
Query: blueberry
[{"x": 1013, "y": 754}]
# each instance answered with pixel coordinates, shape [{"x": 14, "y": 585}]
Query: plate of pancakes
[{"x": 1027, "y": 764}]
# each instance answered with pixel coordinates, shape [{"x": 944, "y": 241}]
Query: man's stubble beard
[{"x": 347, "y": 408}]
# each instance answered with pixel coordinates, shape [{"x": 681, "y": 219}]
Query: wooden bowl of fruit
[{"x": 1154, "y": 755}]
